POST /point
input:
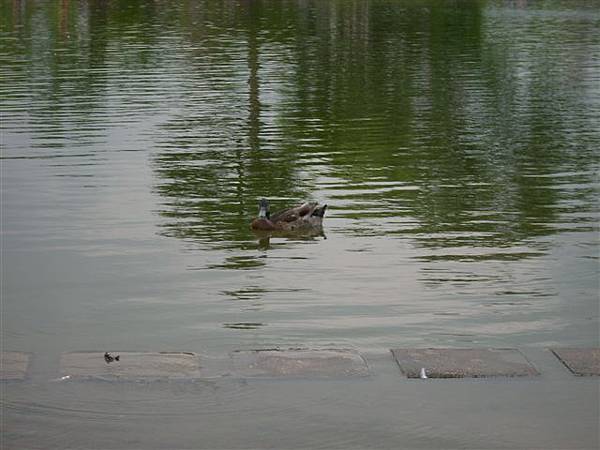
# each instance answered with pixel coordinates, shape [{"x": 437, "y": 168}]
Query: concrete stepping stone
[
  {"x": 298, "y": 363},
  {"x": 130, "y": 366},
  {"x": 580, "y": 361},
  {"x": 13, "y": 366},
  {"x": 462, "y": 363}
]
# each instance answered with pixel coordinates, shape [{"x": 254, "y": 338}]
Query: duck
[{"x": 306, "y": 216}]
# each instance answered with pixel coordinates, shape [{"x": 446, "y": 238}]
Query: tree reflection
[
  {"x": 371, "y": 93},
  {"x": 411, "y": 118},
  {"x": 214, "y": 164}
]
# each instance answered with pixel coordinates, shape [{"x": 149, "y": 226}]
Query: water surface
[{"x": 456, "y": 144}]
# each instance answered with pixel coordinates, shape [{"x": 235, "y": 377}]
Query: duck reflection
[
  {"x": 243, "y": 325},
  {"x": 264, "y": 237}
]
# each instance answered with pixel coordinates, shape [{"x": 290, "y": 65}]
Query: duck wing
[{"x": 295, "y": 213}]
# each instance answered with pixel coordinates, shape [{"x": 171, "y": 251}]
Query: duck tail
[{"x": 319, "y": 212}]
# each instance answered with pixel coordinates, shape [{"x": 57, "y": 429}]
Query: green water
[{"x": 457, "y": 144}]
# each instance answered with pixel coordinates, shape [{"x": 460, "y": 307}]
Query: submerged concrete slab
[
  {"x": 580, "y": 361},
  {"x": 13, "y": 366},
  {"x": 462, "y": 363},
  {"x": 130, "y": 366},
  {"x": 299, "y": 363}
]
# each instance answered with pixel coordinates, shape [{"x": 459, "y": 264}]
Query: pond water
[{"x": 457, "y": 144}]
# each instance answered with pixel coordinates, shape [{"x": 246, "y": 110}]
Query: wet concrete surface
[
  {"x": 462, "y": 363},
  {"x": 309, "y": 363},
  {"x": 130, "y": 366},
  {"x": 298, "y": 363},
  {"x": 580, "y": 361},
  {"x": 14, "y": 366}
]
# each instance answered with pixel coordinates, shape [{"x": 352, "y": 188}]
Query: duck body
[{"x": 307, "y": 216}]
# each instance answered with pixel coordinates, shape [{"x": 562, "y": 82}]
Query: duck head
[{"x": 263, "y": 209}]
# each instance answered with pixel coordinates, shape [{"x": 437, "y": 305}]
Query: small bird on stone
[{"x": 109, "y": 358}]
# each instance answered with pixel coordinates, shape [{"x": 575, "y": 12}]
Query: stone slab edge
[{"x": 578, "y": 368}]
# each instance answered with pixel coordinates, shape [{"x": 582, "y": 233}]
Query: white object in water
[
  {"x": 422, "y": 373},
  {"x": 66, "y": 377}
]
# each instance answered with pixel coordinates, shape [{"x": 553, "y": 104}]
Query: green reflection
[
  {"x": 425, "y": 120},
  {"x": 413, "y": 94}
]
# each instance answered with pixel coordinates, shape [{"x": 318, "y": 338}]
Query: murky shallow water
[{"x": 456, "y": 144}]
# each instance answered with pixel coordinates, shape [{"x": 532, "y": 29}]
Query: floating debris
[{"x": 57, "y": 380}]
